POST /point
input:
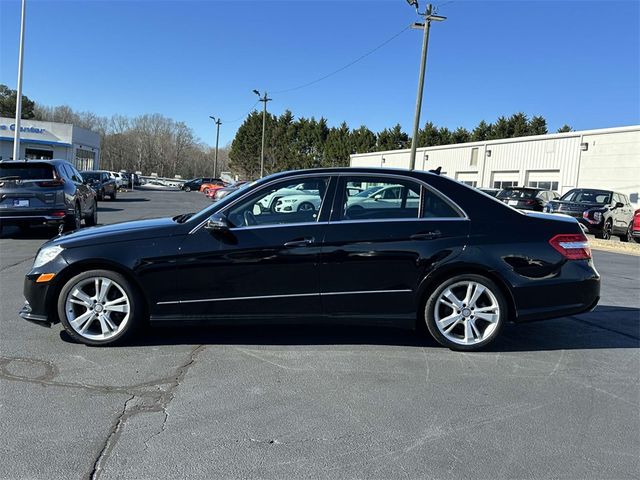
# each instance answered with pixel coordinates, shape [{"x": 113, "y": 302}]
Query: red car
[{"x": 635, "y": 226}]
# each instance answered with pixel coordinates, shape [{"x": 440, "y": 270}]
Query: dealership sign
[{"x": 12, "y": 127}]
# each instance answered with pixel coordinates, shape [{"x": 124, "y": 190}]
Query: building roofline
[{"x": 546, "y": 136}]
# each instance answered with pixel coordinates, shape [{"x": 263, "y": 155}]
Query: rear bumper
[
  {"x": 33, "y": 216},
  {"x": 575, "y": 290}
]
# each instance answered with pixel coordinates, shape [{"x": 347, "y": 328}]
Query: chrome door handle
[
  {"x": 426, "y": 235},
  {"x": 303, "y": 242}
]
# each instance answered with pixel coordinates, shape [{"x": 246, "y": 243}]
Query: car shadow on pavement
[
  {"x": 31, "y": 233},
  {"x": 137, "y": 199},
  {"x": 606, "y": 327},
  {"x": 109, "y": 209}
]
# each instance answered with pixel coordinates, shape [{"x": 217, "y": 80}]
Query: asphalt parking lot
[{"x": 554, "y": 399}]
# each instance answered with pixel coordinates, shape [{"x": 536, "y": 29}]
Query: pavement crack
[
  {"x": 6, "y": 267},
  {"x": 109, "y": 444}
]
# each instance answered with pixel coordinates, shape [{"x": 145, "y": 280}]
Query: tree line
[{"x": 153, "y": 143}]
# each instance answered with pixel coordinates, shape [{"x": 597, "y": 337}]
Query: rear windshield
[
  {"x": 26, "y": 171},
  {"x": 91, "y": 175},
  {"x": 517, "y": 193},
  {"x": 587, "y": 196}
]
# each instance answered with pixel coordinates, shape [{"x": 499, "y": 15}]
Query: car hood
[{"x": 117, "y": 232}]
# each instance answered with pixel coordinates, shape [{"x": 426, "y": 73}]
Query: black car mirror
[
  {"x": 619, "y": 205},
  {"x": 556, "y": 198},
  {"x": 217, "y": 223}
]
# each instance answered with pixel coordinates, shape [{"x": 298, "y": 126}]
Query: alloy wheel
[
  {"x": 97, "y": 308},
  {"x": 606, "y": 231},
  {"x": 467, "y": 313},
  {"x": 306, "y": 207}
]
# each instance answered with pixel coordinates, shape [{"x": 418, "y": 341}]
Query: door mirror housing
[
  {"x": 217, "y": 223},
  {"x": 619, "y": 205}
]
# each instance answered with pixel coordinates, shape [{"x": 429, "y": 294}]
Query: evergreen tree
[
  {"x": 500, "y": 129},
  {"x": 8, "y": 104},
  {"x": 461, "y": 135},
  {"x": 428, "y": 135},
  {"x": 538, "y": 126},
  {"x": 337, "y": 148},
  {"x": 565, "y": 128},
  {"x": 518, "y": 125},
  {"x": 362, "y": 140},
  {"x": 481, "y": 132},
  {"x": 392, "y": 139}
]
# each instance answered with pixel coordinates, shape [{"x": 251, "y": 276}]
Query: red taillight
[
  {"x": 574, "y": 246},
  {"x": 58, "y": 214},
  {"x": 530, "y": 202}
]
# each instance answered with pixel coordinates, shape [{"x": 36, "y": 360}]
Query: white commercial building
[
  {"x": 47, "y": 140},
  {"x": 607, "y": 158}
]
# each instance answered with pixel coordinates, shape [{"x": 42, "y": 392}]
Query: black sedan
[
  {"x": 527, "y": 198},
  {"x": 439, "y": 255}
]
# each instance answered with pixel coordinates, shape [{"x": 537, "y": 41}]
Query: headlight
[{"x": 46, "y": 255}]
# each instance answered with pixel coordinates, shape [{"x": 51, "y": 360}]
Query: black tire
[
  {"x": 113, "y": 195},
  {"x": 628, "y": 234},
  {"x": 274, "y": 202},
  {"x": 187, "y": 189},
  {"x": 131, "y": 324},
  {"x": 308, "y": 207},
  {"x": 100, "y": 195},
  {"x": 74, "y": 221},
  {"x": 491, "y": 329},
  {"x": 606, "y": 232},
  {"x": 92, "y": 219}
]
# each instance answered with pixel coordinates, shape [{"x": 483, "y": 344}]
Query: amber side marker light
[{"x": 45, "y": 277}]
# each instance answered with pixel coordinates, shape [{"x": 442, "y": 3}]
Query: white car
[
  {"x": 298, "y": 203},
  {"x": 383, "y": 197},
  {"x": 269, "y": 202},
  {"x": 118, "y": 178}
]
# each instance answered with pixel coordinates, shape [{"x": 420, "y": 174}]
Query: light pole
[
  {"x": 428, "y": 18},
  {"x": 16, "y": 135},
  {"x": 215, "y": 160},
  {"x": 264, "y": 99}
]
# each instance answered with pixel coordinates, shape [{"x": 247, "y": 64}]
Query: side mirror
[
  {"x": 619, "y": 205},
  {"x": 556, "y": 198},
  {"x": 217, "y": 223}
]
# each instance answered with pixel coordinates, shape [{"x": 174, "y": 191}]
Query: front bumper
[{"x": 27, "y": 313}]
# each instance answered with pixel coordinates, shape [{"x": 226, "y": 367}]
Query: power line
[
  {"x": 362, "y": 57},
  {"x": 243, "y": 116}
]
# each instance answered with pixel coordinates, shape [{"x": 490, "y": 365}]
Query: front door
[
  {"x": 266, "y": 266},
  {"x": 376, "y": 253}
]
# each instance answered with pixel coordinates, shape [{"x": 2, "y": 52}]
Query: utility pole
[
  {"x": 428, "y": 18},
  {"x": 215, "y": 160},
  {"x": 264, "y": 99},
  {"x": 16, "y": 134}
]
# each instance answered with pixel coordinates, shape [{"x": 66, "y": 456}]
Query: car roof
[
  {"x": 525, "y": 188},
  {"x": 53, "y": 161}
]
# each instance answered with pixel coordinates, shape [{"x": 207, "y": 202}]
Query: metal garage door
[
  {"x": 547, "y": 179},
  {"x": 504, "y": 179}
]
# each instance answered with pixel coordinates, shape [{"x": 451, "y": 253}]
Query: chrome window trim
[
  {"x": 421, "y": 182},
  {"x": 250, "y": 192},
  {"x": 263, "y": 297},
  {"x": 410, "y": 219}
]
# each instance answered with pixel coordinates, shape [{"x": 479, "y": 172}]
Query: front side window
[
  {"x": 286, "y": 202},
  {"x": 601, "y": 197}
]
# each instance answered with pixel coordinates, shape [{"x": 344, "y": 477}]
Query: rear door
[{"x": 373, "y": 258}]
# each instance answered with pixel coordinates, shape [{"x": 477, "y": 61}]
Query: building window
[
  {"x": 84, "y": 159},
  {"x": 471, "y": 183},
  {"x": 474, "y": 157},
  {"x": 505, "y": 183},
  {"x": 544, "y": 184},
  {"x": 37, "y": 154}
]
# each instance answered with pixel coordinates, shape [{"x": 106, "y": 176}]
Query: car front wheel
[
  {"x": 466, "y": 312},
  {"x": 99, "y": 307}
]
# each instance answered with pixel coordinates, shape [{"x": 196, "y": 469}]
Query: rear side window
[
  {"x": 380, "y": 198},
  {"x": 26, "y": 171}
]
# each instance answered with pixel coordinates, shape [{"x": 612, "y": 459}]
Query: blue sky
[{"x": 575, "y": 62}]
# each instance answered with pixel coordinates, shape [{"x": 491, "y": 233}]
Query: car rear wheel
[
  {"x": 605, "y": 234},
  {"x": 100, "y": 195},
  {"x": 466, "y": 312},
  {"x": 187, "y": 189},
  {"x": 114, "y": 193},
  {"x": 74, "y": 221},
  {"x": 92, "y": 219},
  {"x": 99, "y": 307}
]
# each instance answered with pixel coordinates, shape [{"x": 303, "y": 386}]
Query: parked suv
[
  {"x": 45, "y": 192},
  {"x": 526, "y": 198},
  {"x": 603, "y": 212},
  {"x": 101, "y": 182},
  {"x": 195, "y": 183}
]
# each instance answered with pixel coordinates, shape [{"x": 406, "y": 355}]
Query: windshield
[
  {"x": 601, "y": 197},
  {"x": 26, "y": 171},
  {"x": 517, "y": 193}
]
